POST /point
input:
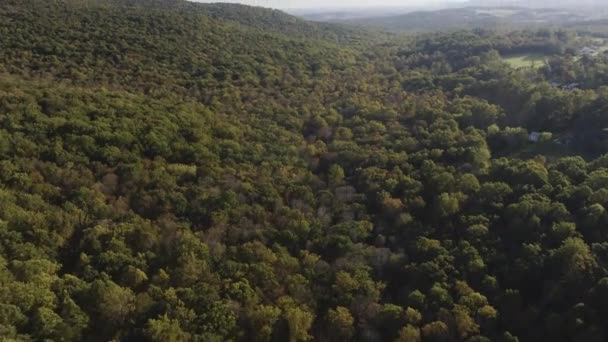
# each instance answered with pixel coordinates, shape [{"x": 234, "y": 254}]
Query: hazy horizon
[
  {"x": 345, "y": 4},
  {"x": 320, "y": 4}
]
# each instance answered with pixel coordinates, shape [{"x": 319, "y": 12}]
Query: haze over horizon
[
  {"x": 330, "y": 4},
  {"x": 320, "y": 4}
]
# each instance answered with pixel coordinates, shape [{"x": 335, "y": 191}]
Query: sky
[{"x": 340, "y": 3}]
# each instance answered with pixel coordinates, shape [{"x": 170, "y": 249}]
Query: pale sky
[{"x": 339, "y": 3}]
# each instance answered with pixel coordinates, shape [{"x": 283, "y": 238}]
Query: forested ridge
[{"x": 172, "y": 171}]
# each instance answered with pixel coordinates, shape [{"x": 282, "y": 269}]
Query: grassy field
[
  {"x": 600, "y": 45},
  {"x": 602, "y": 49},
  {"x": 525, "y": 60}
]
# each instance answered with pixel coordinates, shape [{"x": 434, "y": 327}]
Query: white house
[
  {"x": 588, "y": 51},
  {"x": 571, "y": 86},
  {"x": 534, "y": 136}
]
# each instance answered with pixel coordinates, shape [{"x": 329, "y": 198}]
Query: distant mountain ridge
[
  {"x": 470, "y": 18},
  {"x": 538, "y": 3}
]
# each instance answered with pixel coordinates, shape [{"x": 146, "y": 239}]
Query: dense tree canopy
[{"x": 172, "y": 171}]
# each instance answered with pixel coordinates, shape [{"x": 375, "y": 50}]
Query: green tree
[
  {"x": 340, "y": 324},
  {"x": 409, "y": 334},
  {"x": 165, "y": 329},
  {"x": 299, "y": 322}
]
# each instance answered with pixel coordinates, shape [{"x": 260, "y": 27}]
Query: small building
[
  {"x": 534, "y": 136},
  {"x": 571, "y": 86},
  {"x": 587, "y": 51}
]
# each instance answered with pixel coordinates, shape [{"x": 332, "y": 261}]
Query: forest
[{"x": 174, "y": 171}]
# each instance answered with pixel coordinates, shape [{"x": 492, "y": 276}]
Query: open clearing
[{"x": 525, "y": 60}]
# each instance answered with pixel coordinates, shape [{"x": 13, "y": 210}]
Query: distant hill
[
  {"x": 470, "y": 17},
  {"x": 270, "y": 20},
  {"x": 351, "y": 13},
  {"x": 263, "y": 20},
  {"x": 539, "y": 3}
]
